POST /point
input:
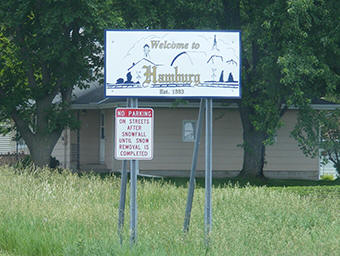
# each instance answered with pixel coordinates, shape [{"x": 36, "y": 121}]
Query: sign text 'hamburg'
[{"x": 134, "y": 133}]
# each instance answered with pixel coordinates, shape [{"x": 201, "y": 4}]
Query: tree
[
  {"x": 319, "y": 130},
  {"x": 315, "y": 60},
  {"x": 166, "y": 14},
  {"x": 47, "y": 48},
  {"x": 264, "y": 26},
  {"x": 286, "y": 45},
  {"x": 286, "y": 56}
]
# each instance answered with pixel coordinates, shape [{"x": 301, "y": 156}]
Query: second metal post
[{"x": 208, "y": 170}]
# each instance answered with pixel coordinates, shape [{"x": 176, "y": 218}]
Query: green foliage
[
  {"x": 24, "y": 163},
  {"x": 49, "y": 47},
  {"x": 9, "y": 84},
  {"x": 287, "y": 61},
  {"x": 27, "y": 163},
  {"x": 286, "y": 46},
  {"x": 46, "y": 49},
  {"x": 312, "y": 61},
  {"x": 47, "y": 213},
  {"x": 319, "y": 130},
  {"x": 171, "y": 14},
  {"x": 327, "y": 177}
]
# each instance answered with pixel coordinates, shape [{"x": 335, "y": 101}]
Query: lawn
[{"x": 48, "y": 213}]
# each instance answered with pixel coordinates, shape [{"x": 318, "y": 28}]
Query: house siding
[
  {"x": 284, "y": 159},
  {"x": 109, "y": 137},
  {"x": 172, "y": 156},
  {"x": 171, "y": 153},
  {"x": 61, "y": 150},
  {"x": 89, "y": 137},
  {"x": 7, "y": 145}
]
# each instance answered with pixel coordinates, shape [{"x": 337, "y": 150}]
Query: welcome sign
[{"x": 172, "y": 64}]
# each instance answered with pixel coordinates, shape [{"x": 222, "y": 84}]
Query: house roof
[
  {"x": 324, "y": 104},
  {"x": 94, "y": 98}
]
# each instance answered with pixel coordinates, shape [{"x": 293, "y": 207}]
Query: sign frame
[{"x": 172, "y": 93}]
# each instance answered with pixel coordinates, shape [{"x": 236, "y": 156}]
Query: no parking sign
[{"x": 134, "y": 133}]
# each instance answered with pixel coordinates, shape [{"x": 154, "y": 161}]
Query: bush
[
  {"x": 27, "y": 162},
  {"x": 328, "y": 177},
  {"x": 11, "y": 159},
  {"x": 54, "y": 162}
]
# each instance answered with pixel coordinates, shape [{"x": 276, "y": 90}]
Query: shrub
[
  {"x": 26, "y": 162},
  {"x": 328, "y": 177},
  {"x": 54, "y": 162},
  {"x": 11, "y": 159}
]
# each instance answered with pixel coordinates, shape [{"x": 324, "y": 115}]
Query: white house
[{"x": 92, "y": 146}]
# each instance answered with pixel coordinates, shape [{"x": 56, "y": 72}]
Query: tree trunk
[
  {"x": 41, "y": 148},
  {"x": 40, "y": 142},
  {"x": 254, "y": 148},
  {"x": 337, "y": 166}
]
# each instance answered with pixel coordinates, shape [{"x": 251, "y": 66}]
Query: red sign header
[{"x": 134, "y": 112}]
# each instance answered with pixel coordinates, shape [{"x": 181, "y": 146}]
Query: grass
[
  {"x": 319, "y": 188},
  {"x": 47, "y": 213}
]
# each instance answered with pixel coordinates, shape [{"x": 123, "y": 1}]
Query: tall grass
[{"x": 46, "y": 213}]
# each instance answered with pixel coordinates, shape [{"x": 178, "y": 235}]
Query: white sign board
[
  {"x": 134, "y": 133},
  {"x": 173, "y": 64}
]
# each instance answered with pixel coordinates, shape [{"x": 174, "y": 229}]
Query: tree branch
[
  {"x": 46, "y": 78},
  {"x": 2, "y": 93},
  {"x": 23, "y": 127},
  {"x": 66, "y": 94},
  {"x": 24, "y": 51},
  {"x": 283, "y": 110}
]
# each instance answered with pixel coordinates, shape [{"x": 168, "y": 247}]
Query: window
[
  {"x": 189, "y": 131},
  {"x": 102, "y": 125}
]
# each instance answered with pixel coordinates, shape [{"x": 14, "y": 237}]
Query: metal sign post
[
  {"x": 122, "y": 201},
  {"x": 122, "y": 198},
  {"x": 134, "y": 142},
  {"x": 133, "y": 191},
  {"x": 208, "y": 170},
  {"x": 193, "y": 168},
  {"x": 133, "y": 202},
  {"x": 133, "y": 103}
]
